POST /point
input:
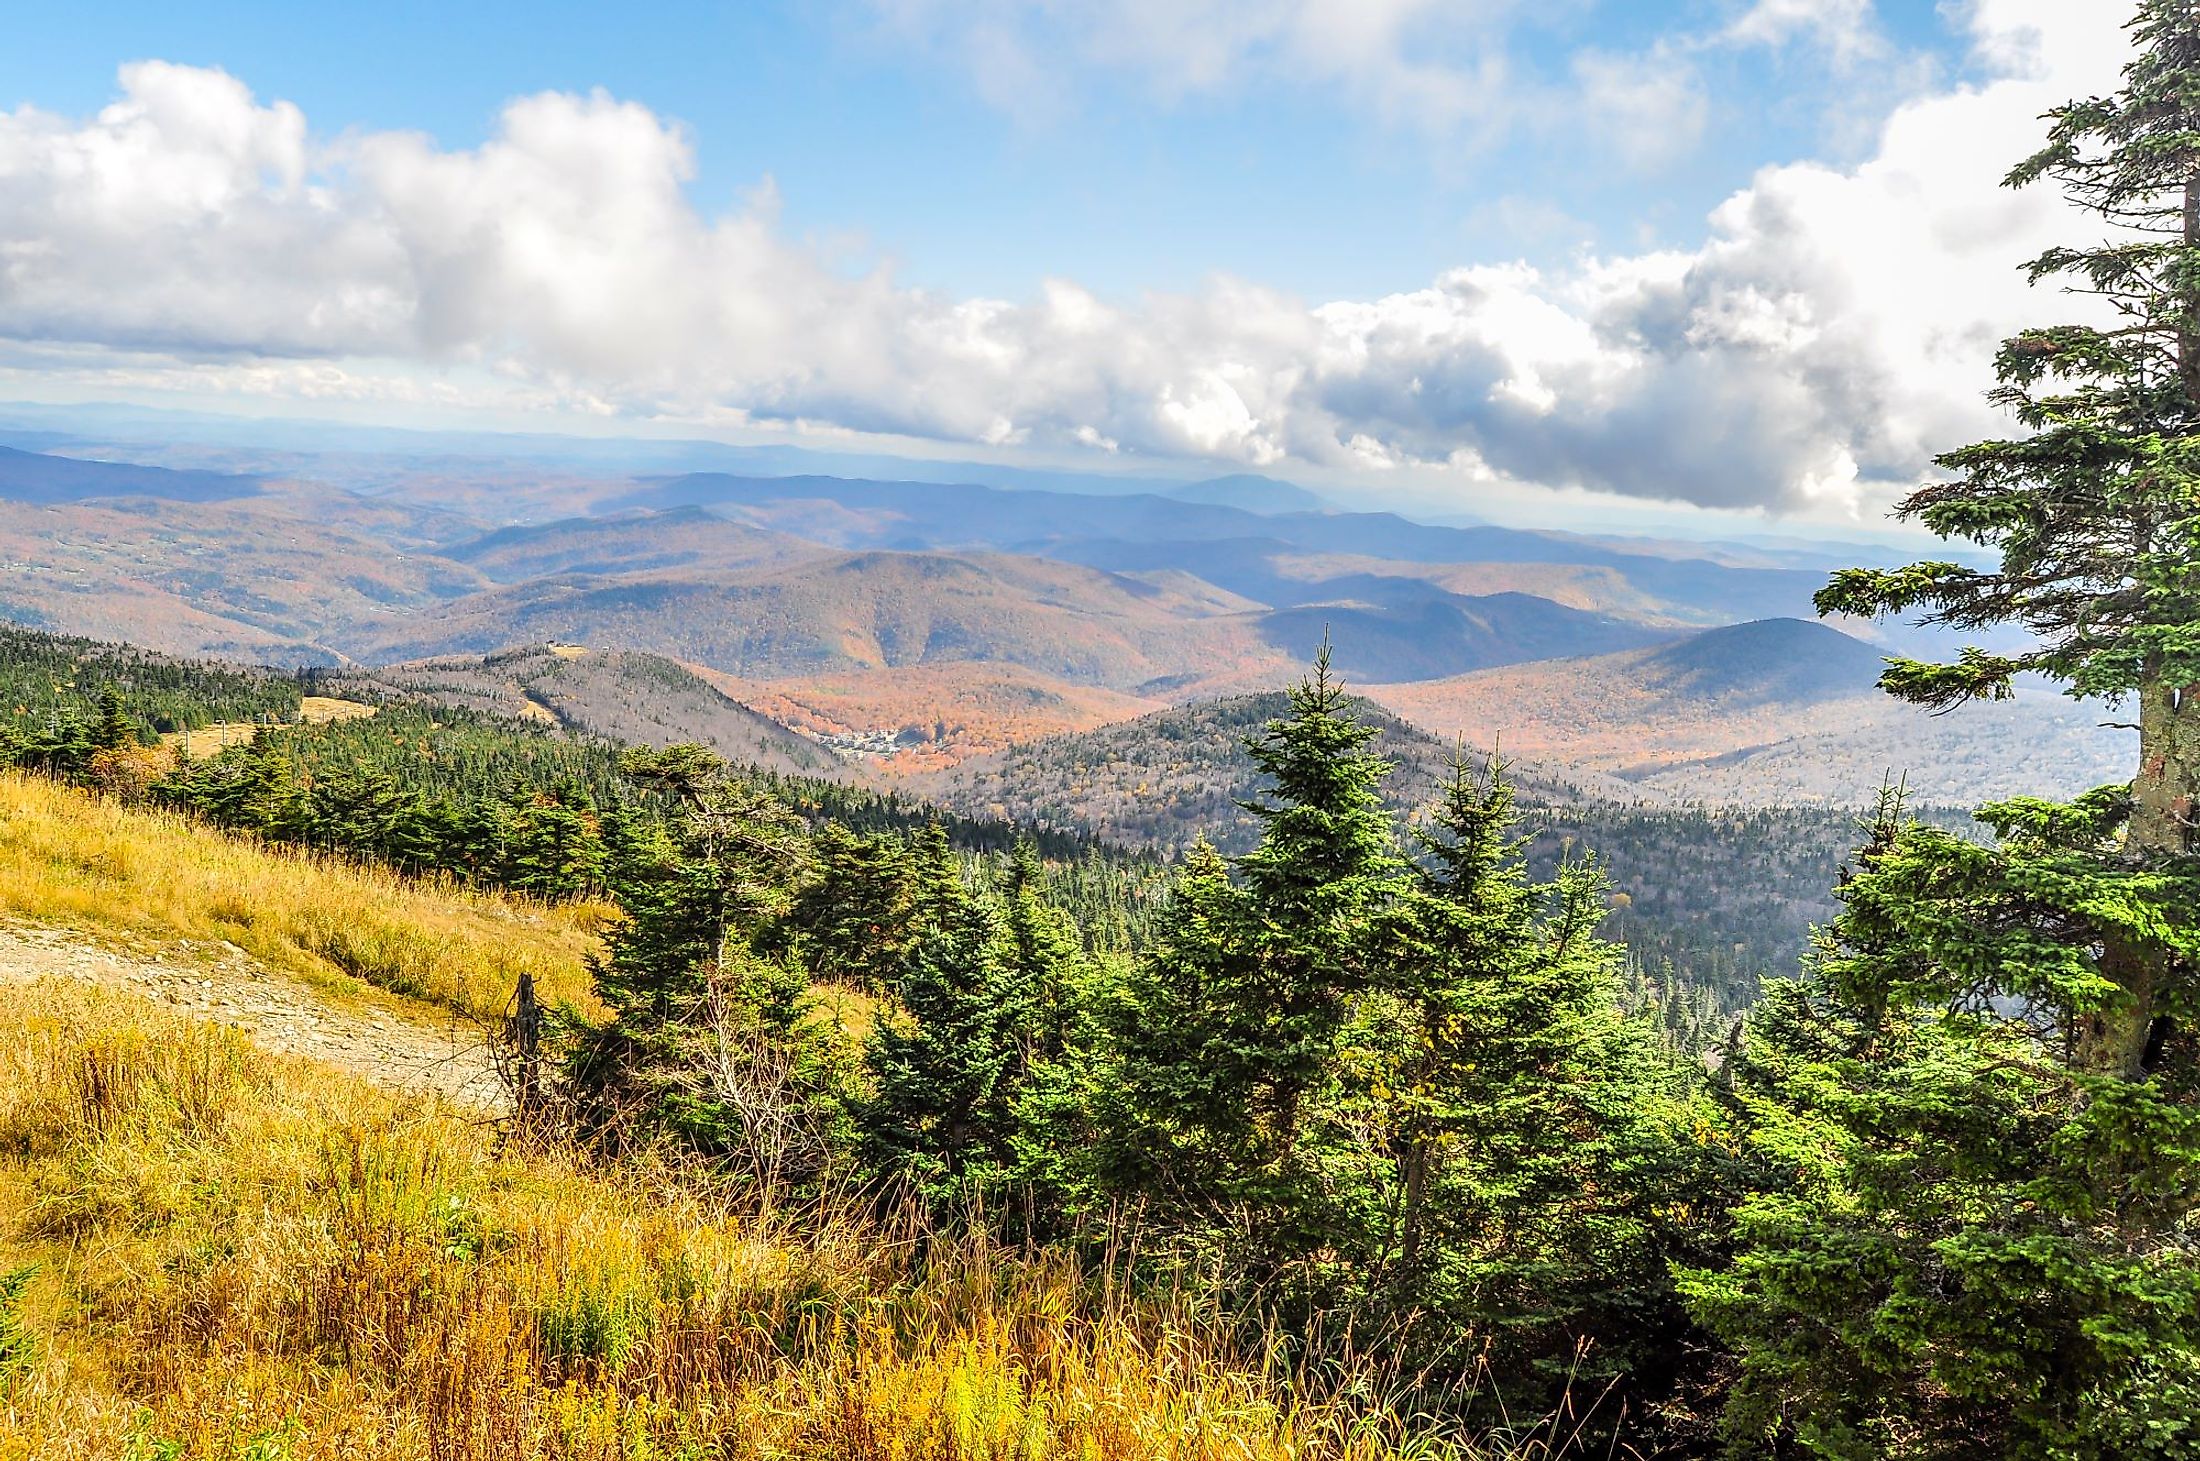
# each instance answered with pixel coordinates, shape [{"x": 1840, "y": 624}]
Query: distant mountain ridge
[
  {"x": 1774, "y": 712},
  {"x": 38, "y": 477},
  {"x": 637, "y": 540},
  {"x": 868, "y": 609},
  {"x": 1252, "y": 492}
]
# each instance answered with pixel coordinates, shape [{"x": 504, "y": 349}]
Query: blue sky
[
  {"x": 1126, "y": 187},
  {"x": 1483, "y": 251}
]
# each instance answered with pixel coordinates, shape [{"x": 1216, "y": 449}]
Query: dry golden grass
[
  {"x": 250, "y": 1260},
  {"x": 220, "y": 736},
  {"x": 71, "y": 858},
  {"x": 323, "y": 709}
]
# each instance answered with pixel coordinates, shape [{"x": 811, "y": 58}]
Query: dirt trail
[{"x": 222, "y": 983}]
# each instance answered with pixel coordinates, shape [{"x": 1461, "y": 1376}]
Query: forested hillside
[
  {"x": 1726, "y": 895},
  {"x": 46, "y": 680}
]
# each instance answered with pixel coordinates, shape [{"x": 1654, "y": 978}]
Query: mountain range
[{"x": 901, "y": 627}]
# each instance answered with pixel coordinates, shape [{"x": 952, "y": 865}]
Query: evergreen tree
[
  {"x": 1042, "y": 963},
  {"x": 693, "y": 997},
  {"x": 113, "y": 730},
  {"x": 1977, "y": 1119},
  {"x": 1230, "y": 1038},
  {"x": 1964, "y": 1242},
  {"x": 2096, "y": 512},
  {"x": 1532, "y": 1121},
  {"x": 555, "y": 850},
  {"x": 248, "y": 788},
  {"x": 1050, "y": 987},
  {"x": 698, "y": 893},
  {"x": 1175, "y": 1121},
  {"x": 851, "y": 921},
  {"x": 944, "y": 1062},
  {"x": 1317, "y": 879}
]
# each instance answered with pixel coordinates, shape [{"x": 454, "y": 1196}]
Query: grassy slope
[
  {"x": 67, "y": 857},
  {"x": 241, "y": 1259}
]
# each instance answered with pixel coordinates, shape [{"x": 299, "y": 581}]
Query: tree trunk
[
  {"x": 2163, "y": 795},
  {"x": 2115, "y": 1041},
  {"x": 2165, "y": 791},
  {"x": 1416, "y": 1202},
  {"x": 525, "y": 1036}
]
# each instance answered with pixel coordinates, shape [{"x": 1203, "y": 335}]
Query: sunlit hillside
[
  {"x": 70, "y": 858},
  {"x": 208, "y": 1253}
]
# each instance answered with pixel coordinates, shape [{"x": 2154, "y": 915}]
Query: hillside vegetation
[
  {"x": 44, "y": 676},
  {"x": 905, "y": 722},
  {"x": 86, "y": 862},
  {"x": 291, "y": 1265},
  {"x": 1708, "y": 898}
]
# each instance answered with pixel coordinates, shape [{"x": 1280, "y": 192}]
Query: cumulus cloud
[{"x": 1830, "y": 333}]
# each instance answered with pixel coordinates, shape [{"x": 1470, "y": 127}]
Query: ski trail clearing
[{"x": 221, "y": 983}]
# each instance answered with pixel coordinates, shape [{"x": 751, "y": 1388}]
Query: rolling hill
[
  {"x": 617, "y": 695},
  {"x": 852, "y": 611},
  {"x": 1776, "y": 712},
  {"x": 1167, "y": 779},
  {"x": 1423, "y": 633},
  {"x": 628, "y": 542}
]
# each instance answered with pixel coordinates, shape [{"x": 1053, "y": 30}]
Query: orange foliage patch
[{"x": 929, "y": 717}]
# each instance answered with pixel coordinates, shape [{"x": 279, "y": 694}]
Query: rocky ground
[{"x": 395, "y": 1044}]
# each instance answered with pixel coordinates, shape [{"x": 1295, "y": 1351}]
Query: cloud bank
[{"x": 1831, "y": 332}]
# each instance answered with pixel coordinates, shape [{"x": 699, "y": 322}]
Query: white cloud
[
  {"x": 1830, "y": 334},
  {"x": 1651, "y": 107},
  {"x": 1847, "y": 29}
]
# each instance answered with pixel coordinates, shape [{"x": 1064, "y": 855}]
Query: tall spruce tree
[
  {"x": 2095, "y": 513},
  {"x": 943, "y": 1062},
  {"x": 113, "y": 730},
  {"x": 1532, "y": 1120},
  {"x": 1321, "y": 872},
  {"x": 1231, "y": 1106},
  {"x": 1976, "y": 1121}
]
